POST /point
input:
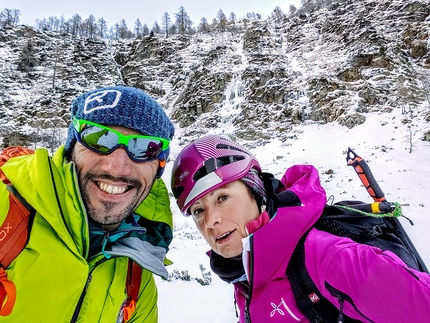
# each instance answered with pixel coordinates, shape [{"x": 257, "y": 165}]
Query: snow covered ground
[{"x": 384, "y": 141}]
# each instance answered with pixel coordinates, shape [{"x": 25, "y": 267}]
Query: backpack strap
[
  {"x": 309, "y": 299},
  {"x": 14, "y": 234},
  {"x": 14, "y": 231},
  {"x": 134, "y": 277},
  {"x": 10, "y": 152}
]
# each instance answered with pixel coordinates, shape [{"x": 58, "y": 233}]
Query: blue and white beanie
[{"x": 121, "y": 106}]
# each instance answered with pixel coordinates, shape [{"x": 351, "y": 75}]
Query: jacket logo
[
  {"x": 284, "y": 311},
  {"x": 106, "y": 99},
  {"x": 276, "y": 308},
  {"x": 314, "y": 298},
  {"x": 183, "y": 175}
]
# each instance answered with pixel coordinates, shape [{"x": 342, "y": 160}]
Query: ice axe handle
[{"x": 365, "y": 174}]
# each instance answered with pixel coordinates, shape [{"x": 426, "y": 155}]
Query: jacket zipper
[
  {"x": 247, "y": 314},
  {"x": 342, "y": 297},
  {"x": 84, "y": 292},
  {"x": 81, "y": 299}
]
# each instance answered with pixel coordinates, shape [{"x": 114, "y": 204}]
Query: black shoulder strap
[{"x": 308, "y": 298}]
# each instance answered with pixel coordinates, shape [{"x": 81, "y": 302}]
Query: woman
[{"x": 221, "y": 185}]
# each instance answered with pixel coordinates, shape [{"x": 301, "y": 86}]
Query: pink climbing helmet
[{"x": 206, "y": 164}]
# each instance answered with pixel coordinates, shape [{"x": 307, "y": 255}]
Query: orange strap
[
  {"x": 13, "y": 231},
  {"x": 10, "y": 152},
  {"x": 7, "y": 294},
  {"x": 134, "y": 277},
  {"x": 13, "y": 238},
  {"x": 13, "y": 234}
]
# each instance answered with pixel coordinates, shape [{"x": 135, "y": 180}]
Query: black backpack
[
  {"x": 375, "y": 224},
  {"x": 349, "y": 219}
]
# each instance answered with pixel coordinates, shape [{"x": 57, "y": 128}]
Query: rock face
[{"x": 326, "y": 63}]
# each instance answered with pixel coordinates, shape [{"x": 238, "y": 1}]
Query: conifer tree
[
  {"x": 138, "y": 29},
  {"x": 102, "y": 27},
  {"x": 222, "y": 20},
  {"x": 203, "y": 27},
  {"x": 27, "y": 58},
  {"x": 183, "y": 21},
  {"x": 165, "y": 23}
]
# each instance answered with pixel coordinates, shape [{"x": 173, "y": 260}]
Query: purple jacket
[{"x": 379, "y": 283}]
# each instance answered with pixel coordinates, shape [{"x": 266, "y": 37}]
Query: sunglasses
[{"x": 104, "y": 140}]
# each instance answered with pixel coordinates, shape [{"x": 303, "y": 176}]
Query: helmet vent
[
  {"x": 212, "y": 164},
  {"x": 225, "y": 146},
  {"x": 177, "y": 191}
]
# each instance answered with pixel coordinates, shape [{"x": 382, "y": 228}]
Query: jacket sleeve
[{"x": 380, "y": 286}]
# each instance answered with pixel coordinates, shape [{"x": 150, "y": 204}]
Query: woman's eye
[
  {"x": 223, "y": 198},
  {"x": 197, "y": 213}
]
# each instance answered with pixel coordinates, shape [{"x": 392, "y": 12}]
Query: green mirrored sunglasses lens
[{"x": 99, "y": 139}]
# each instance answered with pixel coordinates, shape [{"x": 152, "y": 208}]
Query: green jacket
[{"x": 55, "y": 278}]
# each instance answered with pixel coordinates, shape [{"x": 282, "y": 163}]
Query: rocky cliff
[{"x": 333, "y": 62}]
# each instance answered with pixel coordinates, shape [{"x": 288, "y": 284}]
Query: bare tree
[
  {"x": 52, "y": 23},
  {"x": 75, "y": 24},
  {"x": 9, "y": 17},
  {"x": 102, "y": 27},
  {"x": 138, "y": 28},
  {"x": 278, "y": 14},
  {"x": 165, "y": 23},
  {"x": 89, "y": 27},
  {"x": 123, "y": 31},
  {"x": 203, "y": 27},
  {"x": 113, "y": 31},
  {"x": 173, "y": 30},
  {"x": 183, "y": 21},
  {"x": 156, "y": 29},
  {"x": 424, "y": 77},
  {"x": 253, "y": 15},
  {"x": 61, "y": 24},
  {"x": 55, "y": 68},
  {"x": 222, "y": 20}
]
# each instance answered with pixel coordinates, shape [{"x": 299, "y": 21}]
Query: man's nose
[{"x": 117, "y": 162}]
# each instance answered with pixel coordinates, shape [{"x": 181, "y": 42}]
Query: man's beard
[{"x": 102, "y": 214}]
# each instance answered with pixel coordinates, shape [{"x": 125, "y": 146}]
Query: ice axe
[
  {"x": 380, "y": 205},
  {"x": 363, "y": 171}
]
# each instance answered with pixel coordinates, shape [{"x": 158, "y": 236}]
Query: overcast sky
[{"x": 113, "y": 11}]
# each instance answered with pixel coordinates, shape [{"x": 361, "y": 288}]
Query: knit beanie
[
  {"x": 253, "y": 181},
  {"x": 121, "y": 106}
]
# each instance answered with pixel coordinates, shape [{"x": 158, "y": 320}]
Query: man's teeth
[{"x": 112, "y": 189}]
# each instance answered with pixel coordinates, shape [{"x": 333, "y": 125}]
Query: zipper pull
[
  {"x": 104, "y": 243},
  {"x": 340, "y": 318}
]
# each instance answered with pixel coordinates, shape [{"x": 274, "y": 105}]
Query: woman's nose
[{"x": 212, "y": 217}]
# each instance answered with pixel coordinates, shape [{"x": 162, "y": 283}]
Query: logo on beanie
[{"x": 105, "y": 99}]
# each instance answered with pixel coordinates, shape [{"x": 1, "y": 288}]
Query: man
[{"x": 99, "y": 203}]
